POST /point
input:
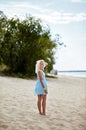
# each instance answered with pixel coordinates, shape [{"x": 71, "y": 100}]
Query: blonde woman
[{"x": 41, "y": 88}]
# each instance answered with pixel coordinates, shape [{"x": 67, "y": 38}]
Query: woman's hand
[{"x": 45, "y": 90}]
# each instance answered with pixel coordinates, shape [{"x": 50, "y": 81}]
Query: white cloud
[
  {"x": 46, "y": 15},
  {"x": 61, "y": 17},
  {"x": 78, "y": 1},
  {"x": 26, "y": 5}
]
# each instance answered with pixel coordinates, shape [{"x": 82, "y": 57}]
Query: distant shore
[
  {"x": 66, "y": 104},
  {"x": 75, "y": 73},
  {"x": 72, "y": 71}
]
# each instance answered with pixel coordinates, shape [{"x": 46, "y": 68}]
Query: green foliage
[{"x": 22, "y": 43}]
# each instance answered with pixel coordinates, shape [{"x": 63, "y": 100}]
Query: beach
[{"x": 65, "y": 110}]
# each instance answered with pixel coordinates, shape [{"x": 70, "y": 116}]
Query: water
[{"x": 73, "y": 73}]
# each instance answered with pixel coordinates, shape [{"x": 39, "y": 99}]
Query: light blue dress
[{"x": 38, "y": 87}]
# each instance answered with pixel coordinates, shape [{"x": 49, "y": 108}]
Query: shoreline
[
  {"x": 66, "y": 104},
  {"x": 74, "y": 74},
  {"x": 71, "y": 76}
]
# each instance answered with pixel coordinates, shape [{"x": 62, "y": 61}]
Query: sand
[{"x": 66, "y": 104}]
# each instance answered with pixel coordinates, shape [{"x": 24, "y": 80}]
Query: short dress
[{"x": 38, "y": 87}]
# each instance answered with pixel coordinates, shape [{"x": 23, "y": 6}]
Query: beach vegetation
[{"x": 22, "y": 43}]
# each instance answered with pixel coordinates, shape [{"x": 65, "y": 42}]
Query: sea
[{"x": 73, "y": 73}]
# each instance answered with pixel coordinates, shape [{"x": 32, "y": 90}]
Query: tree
[
  {"x": 25, "y": 42},
  {"x": 3, "y": 19}
]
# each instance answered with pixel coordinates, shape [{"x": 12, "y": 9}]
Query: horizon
[{"x": 69, "y": 70}]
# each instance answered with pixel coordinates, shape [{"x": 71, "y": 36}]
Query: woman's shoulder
[{"x": 41, "y": 71}]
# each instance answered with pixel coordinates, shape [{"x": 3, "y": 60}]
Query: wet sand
[{"x": 66, "y": 104}]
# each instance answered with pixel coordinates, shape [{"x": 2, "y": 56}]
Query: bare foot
[
  {"x": 40, "y": 113},
  {"x": 44, "y": 114}
]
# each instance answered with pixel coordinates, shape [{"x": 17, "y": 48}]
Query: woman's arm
[{"x": 40, "y": 77}]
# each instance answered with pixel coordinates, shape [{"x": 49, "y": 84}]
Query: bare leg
[
  {"x": 39, "y": 104},
  {"x": 44, "y": 104}
]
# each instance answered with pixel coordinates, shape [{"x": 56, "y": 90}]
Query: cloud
[
  {"x": 20, "y": 5},
  {"x": 46, "y": 15},
  {"x": 56, "y": 17},
  {"x": 26, "y": 5},
  {"x": 78, "y": 1}
]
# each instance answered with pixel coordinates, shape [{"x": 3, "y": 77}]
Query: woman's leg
[
  {"x": 39, "y": 103},
  {"x": 44, "y": 104}
]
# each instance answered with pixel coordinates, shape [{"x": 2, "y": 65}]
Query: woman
[{"x": 41, "y": 86}]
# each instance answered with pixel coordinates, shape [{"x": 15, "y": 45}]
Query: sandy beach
[{"x": 66, "y": 104}]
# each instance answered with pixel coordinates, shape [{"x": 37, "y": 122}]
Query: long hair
[{"x": 37, "y": 66}]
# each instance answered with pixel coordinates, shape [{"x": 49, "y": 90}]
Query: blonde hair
[{"x": 37, "y": 66}]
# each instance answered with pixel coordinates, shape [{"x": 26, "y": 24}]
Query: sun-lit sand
[{"x": 66, "y": 104}]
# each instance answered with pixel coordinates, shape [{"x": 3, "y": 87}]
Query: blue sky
[{"x": 64, "y": 17}]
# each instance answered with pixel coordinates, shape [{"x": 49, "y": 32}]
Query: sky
[{"x": 64, "y": 17}]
